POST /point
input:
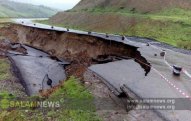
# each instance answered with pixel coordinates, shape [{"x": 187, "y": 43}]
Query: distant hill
[{"x": 15, "y": 9}]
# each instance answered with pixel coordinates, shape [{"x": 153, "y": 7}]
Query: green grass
[
  {"x": 164, "y": 31},
  {"x": 77, "y": 109},
  {"x": 6, "y": 95},
  {"x": 4, "y": 70},
  {"x": 11, "y": 116},
  {"x": 73, "y": 89},
  {"x": 170, "y": 14},
  {"x": 4, "y": 99}
]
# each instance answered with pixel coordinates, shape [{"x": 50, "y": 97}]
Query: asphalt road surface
[{"x": 35, "y": 69}]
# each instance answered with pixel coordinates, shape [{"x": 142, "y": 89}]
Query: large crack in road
[{"x": 75, "y": 48}]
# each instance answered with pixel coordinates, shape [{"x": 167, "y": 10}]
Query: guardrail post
[
  {"x": 123, "y": 37},
  {"x": 89, "y": 32},
  {"x": 106, "y": 35},
  {"x": 162, "y": 54}
]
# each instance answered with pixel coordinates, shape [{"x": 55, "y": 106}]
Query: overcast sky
[{"x": 59, "y": 4}]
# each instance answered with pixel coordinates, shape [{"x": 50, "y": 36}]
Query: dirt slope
[{"x": 94, "y": 22}]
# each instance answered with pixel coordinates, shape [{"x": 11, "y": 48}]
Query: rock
[
  {"x": 87, "y": 83},
  {"x": 15, "y": 46},
  {"x": 116, "y": 112},
  {"x": 162, "y": 54}
]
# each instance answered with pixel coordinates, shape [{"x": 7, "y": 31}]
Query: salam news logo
[{"x": 6, "y": 104}]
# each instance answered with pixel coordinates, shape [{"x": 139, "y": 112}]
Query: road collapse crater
[{"x": 81, "y": 51}]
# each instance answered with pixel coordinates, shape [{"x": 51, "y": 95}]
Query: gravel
[{"x": 13, "y": 87}]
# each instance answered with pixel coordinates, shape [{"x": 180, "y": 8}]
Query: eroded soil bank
[{"x": 80, "y": 50}]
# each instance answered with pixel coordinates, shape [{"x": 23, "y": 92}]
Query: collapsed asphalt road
[
  {"x": 158, "y": 83},
  {"x": 36, "y": 70},
  {"x": 117, "y": 73}
]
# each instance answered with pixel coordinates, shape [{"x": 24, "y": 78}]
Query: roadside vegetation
[
  {"x": 172, "y": 26},
  {"x": 78, "y": 108},
  {"x": 4, "y": 70}
]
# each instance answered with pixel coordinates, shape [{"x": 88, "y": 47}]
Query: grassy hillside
[
  {"x": 15, "y": 9},
  {"x": 164, "y": 20},
  {"x": 143, "y": 6}
]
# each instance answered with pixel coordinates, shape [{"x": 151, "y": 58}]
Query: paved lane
[{"x": 35, "y": 69}]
